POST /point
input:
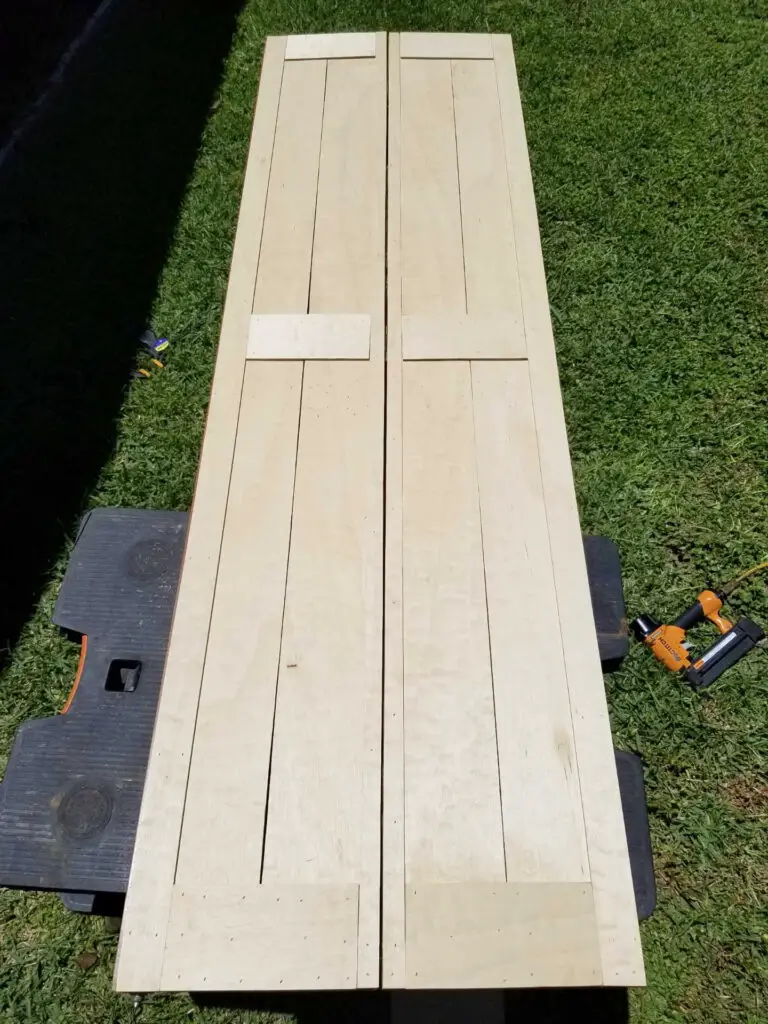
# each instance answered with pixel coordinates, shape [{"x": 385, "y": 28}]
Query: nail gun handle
[
  {"x": 707, "y": 607},
  {"x": 690, "y": 617}
]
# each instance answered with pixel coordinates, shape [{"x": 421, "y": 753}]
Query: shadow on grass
[
  {"x": 33, "y": 37},
  {"x": 88, "y": 207},
  {"x": 522, "y": 1006}
]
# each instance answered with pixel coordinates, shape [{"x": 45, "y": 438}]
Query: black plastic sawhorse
[{"x": 70, "y": 798}]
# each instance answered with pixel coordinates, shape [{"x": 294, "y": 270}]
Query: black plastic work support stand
[{"x": 69, "y": 802}]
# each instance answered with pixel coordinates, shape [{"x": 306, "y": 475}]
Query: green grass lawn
[{"x": 648, "y": 136}]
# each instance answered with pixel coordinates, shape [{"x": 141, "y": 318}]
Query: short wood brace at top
[{"x": 328, "y": 47}]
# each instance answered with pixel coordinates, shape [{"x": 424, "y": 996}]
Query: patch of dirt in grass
[{"x": 748, "y": 794}]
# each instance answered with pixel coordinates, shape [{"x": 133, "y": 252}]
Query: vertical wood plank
[
  {"x": 490, "y": 259},
  {"x": 432, "y": 264},
  {"x": 142, "y": 937},
  {"x": 242, "y": 657},
  {"x": 606, "y": 840},
  {"x": 324, "y": 815},
  {"x": 222, "y": 835},
  {"x": 282, "y": 282},
  {"x": 348, "y": 254},
  {"x": 540, "y": 794},
  {"x": 453, "y": 827},
  {"x": 393, "y": 808}
]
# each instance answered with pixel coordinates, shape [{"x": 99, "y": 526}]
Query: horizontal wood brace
[
  {"x": 463, "y": 336},
  {"x": 309, "y": 336},
  {"x": 331, "y": 46}
]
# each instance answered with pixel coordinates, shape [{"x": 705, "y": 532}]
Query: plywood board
[
  {"x": 270, "y": 872},
  {"x": 382, "y": 755},
  {"x": 501, "y": 936},
  {"x": 431, "y": 255},
  {"x": 459, "y": 336},
  {"x": 142, "y": 937},
  {"x": 544, "y": 837},
  {"x": 504, "y": 720},
  {"x": 620, "y": 951},
  {"x": 445, "y": 45},
  {"x": 453, "y": 827},
  {"x": 393, "y": 745},
  {"x": 310, "y": 336},
  {"x": 334, "y": 45},
  {"x": 263, "y": 930},
  {"x": 238, "y": 691}
]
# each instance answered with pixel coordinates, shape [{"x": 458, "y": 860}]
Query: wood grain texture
[
  {"x": 544, "y": 837},
  {"x": 333, "y": 45},
  {"x": 462, "y": 336},
  {"x": 492, "y": 936},
  {"x": 272, "y": 837},
  {"x": 431, "y": 252},
  {"x": 240, "y": 938},
  {"x": 619, "y": 937},
  {"x": 393, "y": 789},
  {"x": 453, "y": 827},
  {"x": 222, "y": 836},
  {"x": 282, "y": 282},
  {"x": 142, "y": 937},
  {"x": 446, "y": 45},
  {"x": 324, "y": 815},
  {"x": 488, "y": 235},
  {"x": 310, "y": 336},
  {"x": 348, "y": 256}
]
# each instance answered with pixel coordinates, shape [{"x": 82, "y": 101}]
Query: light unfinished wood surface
[
  {"x": 509, "y": 794},
  {"x": 142, "y": 936},
  {"x": 270, "y": 873},
  {"x": 445, "y": 45},
  {"x": 333, "y": 45},
  {"x": 393, "y": 781},
  {"x": 310, "y": 336},
  {"x": 431, "y": 257},
  {"x": 382, "y": 755},
  {"x": 453, "y": 825},
  {"x": 620, "y": 950},
  {"x": 240, "y": 677},
  {"x": 459, "y": 336},
  {"x": 297, "y": 934},
  {"x": 544, "y": 838},
  {"x": 480, "y": 935}
]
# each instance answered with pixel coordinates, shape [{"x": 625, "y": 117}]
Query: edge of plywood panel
[
  {"x": 618, "y": 932},
  {"x": 393, "y": 783},
  {"x": 145, "y": 920}
]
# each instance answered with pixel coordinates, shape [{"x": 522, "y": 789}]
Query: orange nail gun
[{"x": 668, "y": 642}]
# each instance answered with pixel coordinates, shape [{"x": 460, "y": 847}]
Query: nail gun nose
[{"x": 643, "y": 626}]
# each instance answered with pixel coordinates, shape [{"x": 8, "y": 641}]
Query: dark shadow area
[
  {"x": 567, "y": 1005},
  {"x": 88, "y": 206},
  {"x": 33, "y": 36},
  {"x": 521, "y": 1006},
  {"x": 307, "y": 1007}
]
